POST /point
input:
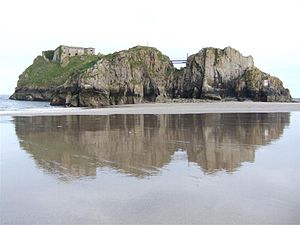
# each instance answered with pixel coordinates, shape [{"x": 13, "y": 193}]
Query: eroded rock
[
  {"x": 132, "y": 76},
  {"x": 259, "y": 86},
  {"x": 212, "y": 72},
  {"x": 144, "y": 74}
]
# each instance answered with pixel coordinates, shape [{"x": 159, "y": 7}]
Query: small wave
[{"x": 15, "y": 105}]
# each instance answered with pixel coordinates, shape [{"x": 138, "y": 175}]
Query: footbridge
[{"x": 178, "y": 61}]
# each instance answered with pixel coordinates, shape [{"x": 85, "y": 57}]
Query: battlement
[{"x": 62, "y": 53}]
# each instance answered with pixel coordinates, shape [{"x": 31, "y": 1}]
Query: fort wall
[{"x": 62, "y": 52}]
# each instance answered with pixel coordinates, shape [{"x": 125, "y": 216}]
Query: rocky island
[{"x": 74, "y": 76}]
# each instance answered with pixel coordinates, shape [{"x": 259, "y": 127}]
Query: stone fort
[{"x": 63, "y": 52}]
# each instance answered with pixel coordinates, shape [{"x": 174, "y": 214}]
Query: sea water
[{"x": 16, "y": 105}]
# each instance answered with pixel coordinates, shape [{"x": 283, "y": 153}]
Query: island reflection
[{"x": 140, "y": 145}]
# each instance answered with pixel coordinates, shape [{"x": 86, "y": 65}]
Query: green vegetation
[
  {"x": 169, "y": 71},
  {"x": 111, "y": 57},
  {"x": 49, "y": 54},
  {"x": 136, "y": 54},
  {"x": 43, "y": 74},
  {"x": 135, "y": 82},
  {"x": 136, "y": 63},
  {"x": 140, "y": 47}
]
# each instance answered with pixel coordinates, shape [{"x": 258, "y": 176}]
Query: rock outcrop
[
  {"x": 259, "y": 86},
  {"x": 212, "y": 72},
  {"x": 217, "y": 74},
  {"x": 32, "y": 93},
  {"x": 142, "y": 74},
  {"x": 40, "y": 80},
  {"x": 131, "y": 76}
]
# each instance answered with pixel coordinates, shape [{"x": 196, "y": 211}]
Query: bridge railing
[{"x": 178, "y": 61}]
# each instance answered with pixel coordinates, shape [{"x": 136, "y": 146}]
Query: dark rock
[
  {"x": 32, "y": 94},
  {"x": 259, "y": 86}
]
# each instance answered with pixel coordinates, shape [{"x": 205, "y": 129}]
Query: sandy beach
[{"x": 164, "y": 108}]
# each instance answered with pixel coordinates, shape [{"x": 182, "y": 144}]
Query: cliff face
[
  {"x": 212, "y": 72},
  {"x": 144, "y": 74},
  {"x": 41, "y": 79},
  {"x": 131, "y": 76},
  {"x": 259, "y": 86},
  {"x": 216, "y": 74}
]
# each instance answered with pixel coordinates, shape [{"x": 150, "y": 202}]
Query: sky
[{"x": 267, "y": 30}]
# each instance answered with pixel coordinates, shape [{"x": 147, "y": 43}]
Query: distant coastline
[{"x": 296, "y": 100}]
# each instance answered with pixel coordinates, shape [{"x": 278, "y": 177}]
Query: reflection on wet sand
[{"x": 75, "y": 146}]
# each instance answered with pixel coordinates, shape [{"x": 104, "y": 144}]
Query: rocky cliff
[
  {"x": 259, "y": 86},
  {"x": 142, "y": 74},
  {"x": 41, "y": 79},
  {"x": 217, "y": 74},
  {"x": 130, "y": 76}
]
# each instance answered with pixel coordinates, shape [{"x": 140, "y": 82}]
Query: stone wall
[{"x": 63, "y": 52}]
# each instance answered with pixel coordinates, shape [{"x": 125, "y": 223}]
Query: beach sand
[
  {"x": 164, "y": 108},
  {"x": 198, "y": 168}
]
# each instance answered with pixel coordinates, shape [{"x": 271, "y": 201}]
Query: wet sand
[
  {"x": 232, "y": 168},
  {"x": 164, "y": 108}
]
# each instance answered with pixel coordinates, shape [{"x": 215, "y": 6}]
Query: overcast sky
[{"x": 267, "y": 30}]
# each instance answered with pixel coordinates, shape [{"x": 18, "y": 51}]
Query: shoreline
[{"x": 164, "y": 108}]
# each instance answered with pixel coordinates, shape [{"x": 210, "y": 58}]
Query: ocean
[{"x": 15, "y": 105}]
